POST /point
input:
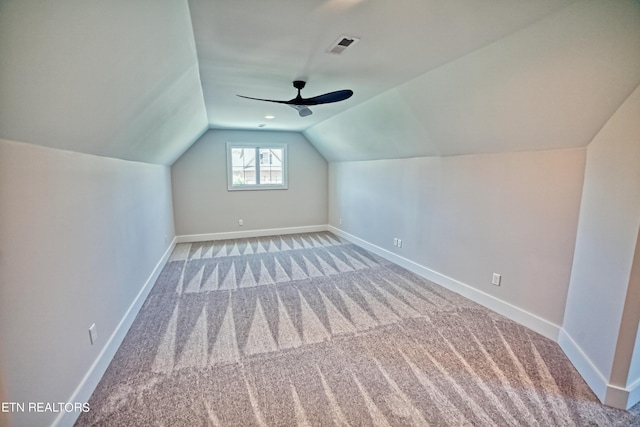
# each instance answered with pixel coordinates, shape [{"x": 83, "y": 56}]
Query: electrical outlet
[
  {"x": 93, "y": 334},
  {"x": 395, "y": 241},
  {"x": 240, "y": 222},
  {"x": 399, "y": 243},
  {"x": 496, "y": 279}
]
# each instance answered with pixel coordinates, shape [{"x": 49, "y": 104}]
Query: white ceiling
[
  {"x": 551, "y": 85},
  {"x": 115, "y": 78},
  {"x": 141, "y": 80},
  {"x": 257, "y": 48}
]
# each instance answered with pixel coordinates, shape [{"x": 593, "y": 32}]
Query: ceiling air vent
[{"x": 342, "y": 44}]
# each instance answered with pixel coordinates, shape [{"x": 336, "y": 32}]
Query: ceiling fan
[{"x": 302, "y": 104}]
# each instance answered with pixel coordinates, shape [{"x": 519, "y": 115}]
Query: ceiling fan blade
[
  {"x": 267, "y": 100},
  {"x": 300, "y": 104},
  {"x": 303, "y": 111},
  {"x": 327, "y": 98}
]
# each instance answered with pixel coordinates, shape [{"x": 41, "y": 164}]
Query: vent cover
[{"x": 342, "y": 44}]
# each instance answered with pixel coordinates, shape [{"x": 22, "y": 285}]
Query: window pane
[
  {"x": 270, "y": 166},
  {"x": 256, "y": 167},
  {"x": 243, "y": 164}
]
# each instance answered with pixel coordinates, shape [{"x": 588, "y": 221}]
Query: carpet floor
[{"x": 310, "y": 330}]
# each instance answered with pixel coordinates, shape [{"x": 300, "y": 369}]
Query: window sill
[{"x": 257, "y": 187}]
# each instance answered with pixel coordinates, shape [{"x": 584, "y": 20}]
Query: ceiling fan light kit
[{"x": 302, "y": 110}]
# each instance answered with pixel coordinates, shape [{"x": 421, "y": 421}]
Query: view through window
[{"x": 256, "y": 166}]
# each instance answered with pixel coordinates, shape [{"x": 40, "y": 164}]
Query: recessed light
[{"x": 269, "y": 117}]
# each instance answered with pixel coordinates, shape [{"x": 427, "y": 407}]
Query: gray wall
[
  {"x": 4, "y": 416},
  {"x": 469, "y": 216},
  {"x": 203, "y": 205},
  {"x": 606, "y": 242},
  {"x": 79, "y": 237}
]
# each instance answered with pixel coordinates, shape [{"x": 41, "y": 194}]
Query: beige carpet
[{"x": 310, "y": 330}]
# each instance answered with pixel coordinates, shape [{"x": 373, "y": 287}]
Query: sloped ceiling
[
  {"x": 142, "y": 80},
  {"x": 257, "y": 48},
  {"x": 551, "y": 85},
  {"x": 116, "y": 78}
]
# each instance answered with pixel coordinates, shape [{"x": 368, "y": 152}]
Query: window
[{"x": 256, "y": 166}]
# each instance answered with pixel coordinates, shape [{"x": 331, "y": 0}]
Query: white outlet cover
[
  {"x": 496, "y": 279},
  {"x": 93, "y": 334}
]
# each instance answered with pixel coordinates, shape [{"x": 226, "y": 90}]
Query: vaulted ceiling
[
  {"x": 115, "y": 78},
  {"x": 142, "y": 80}
]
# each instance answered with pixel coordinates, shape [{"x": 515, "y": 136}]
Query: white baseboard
[
  {"x": 91, "y": 379},
  {"x": 192, "y": 238},
  {"x": 592, "y": 375},
  {"x": 609, "y": 394},
  {"x": 531, "y": 321},
  {"x": 634, "y": 393},
  {"x": 616, "y": 397}
]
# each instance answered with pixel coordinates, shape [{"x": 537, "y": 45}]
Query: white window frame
[{"x": 257, "y": 146}]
